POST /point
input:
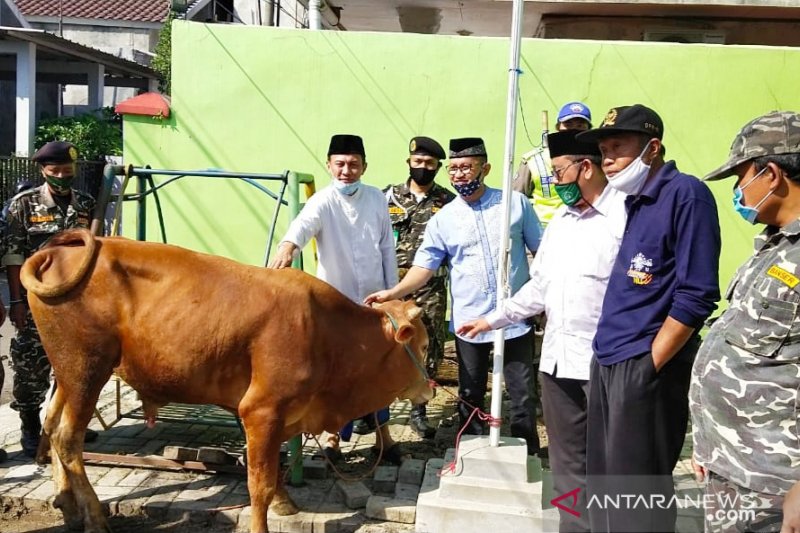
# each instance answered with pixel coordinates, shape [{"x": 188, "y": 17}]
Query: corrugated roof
[{"x": 130, "y": 10}]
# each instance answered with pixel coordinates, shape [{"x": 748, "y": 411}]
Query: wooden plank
[{"x": 160, "y": 463}]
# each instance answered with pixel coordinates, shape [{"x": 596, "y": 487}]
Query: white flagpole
[{"x": 503, "y": 288}]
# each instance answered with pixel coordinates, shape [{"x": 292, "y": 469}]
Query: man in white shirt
[
  {"x": 355, "y": 243},
  {"x": 568, "y": 282}
]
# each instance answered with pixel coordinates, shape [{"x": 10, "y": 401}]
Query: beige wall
[{"x": 773, "y": 33}]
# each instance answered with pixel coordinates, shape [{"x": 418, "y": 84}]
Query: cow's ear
[{"x": 405, "y": 333}]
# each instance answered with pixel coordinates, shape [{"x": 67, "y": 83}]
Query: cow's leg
[
  {"x": 65, "y": 498},
  {"x": 67, "y": 441},
  {"x": 282, "y": 504},
  {"x": 263, "y": 427}
]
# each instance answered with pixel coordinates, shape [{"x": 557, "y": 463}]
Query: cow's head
[{"x": 405, "y": 321}]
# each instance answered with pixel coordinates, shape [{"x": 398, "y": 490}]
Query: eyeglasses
[
  {"x": 559, "y": 172},
  {"x": 464, "y": 169}
]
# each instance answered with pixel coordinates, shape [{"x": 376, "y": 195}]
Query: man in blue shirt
[
  {"x": 663, "y": 286},
  {"x": 465, "y": 235}
]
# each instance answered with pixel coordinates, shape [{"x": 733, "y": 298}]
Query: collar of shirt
[
  {"x": 601, "y": 206},
  {"x": 775, "y": 233},
  {"x": 486, "y": 198}
]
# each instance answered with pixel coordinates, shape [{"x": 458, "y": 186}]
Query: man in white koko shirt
[{"x": 568, "y": 281}]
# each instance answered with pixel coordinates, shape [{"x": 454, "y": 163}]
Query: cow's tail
[{"x": 38, "y": 263}]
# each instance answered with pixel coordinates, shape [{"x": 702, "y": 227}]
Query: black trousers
[
  {"x": 564, "y": 402},
  {"x": 473, "y": 372},
  {"x": 636, "y": 428}
]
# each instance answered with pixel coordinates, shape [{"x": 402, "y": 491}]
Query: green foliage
[
  {"x": 94, "y": 136},
  {"x": 162, "y": 62}
]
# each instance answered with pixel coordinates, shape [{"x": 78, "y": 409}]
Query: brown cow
[{"x": 285, "y": 351}]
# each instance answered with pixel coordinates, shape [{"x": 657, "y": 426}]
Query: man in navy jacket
[{"x": 663, "y": 286}]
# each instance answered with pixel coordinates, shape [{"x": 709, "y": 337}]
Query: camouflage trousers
[
  {"x": 734, "y": 509},
  {"x": 432, "y": 299},
  {"x": 31, "y": 368}
]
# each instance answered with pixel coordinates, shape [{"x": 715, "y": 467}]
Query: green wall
[{"x": 256, "y": 99}]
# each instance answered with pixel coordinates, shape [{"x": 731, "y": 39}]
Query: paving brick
[
  {"x": 411, "y": 471},
  {"x": 315, "y": 468},
  {"x": 180, "y": 453},
  {"x": 157, "y": 505},
  {"x": 385, "y": 479},
  {"x": 133, "y": 504},
  {"x": 209, "y": 454},
  {"x": 44, "y": 492},
  {"x": 135, "y": 478},
  {"x": 243, "y": 524},
  {"x": 391, "y": 509},
  {"x": 153, "y": 447},
  {"x": 113, "y": 477},
  {"x": 355, "y": 493},
  {"x": 406, "y": 491}
]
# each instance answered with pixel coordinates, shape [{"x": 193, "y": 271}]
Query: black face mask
[{"x": 422, "y": 176}]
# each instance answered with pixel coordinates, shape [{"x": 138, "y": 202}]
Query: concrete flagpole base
[{"x": 493, "y": 489}]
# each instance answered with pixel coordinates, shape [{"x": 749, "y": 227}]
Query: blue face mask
[
  {"x": 748, "y": 213},
  {"x": 348, "y": 189}
]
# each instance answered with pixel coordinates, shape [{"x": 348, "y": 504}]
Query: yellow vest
[{"x": 544, "y": 199}]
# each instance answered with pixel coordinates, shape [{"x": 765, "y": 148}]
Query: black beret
[
  {"x": 346, "y": 145},
  {"x": 426, "y": 146},
  {"x": 566, "y": 143},
  {"x": 467, "y": 147},
  {"x": 56, "y": 152},
  {"x": 627, "y": 119}
]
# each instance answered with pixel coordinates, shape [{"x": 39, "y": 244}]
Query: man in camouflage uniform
[
  {"x": 33, "y": 217},
  {"x": 745, "y": 380},
  {"x": 411, "y": 205}
]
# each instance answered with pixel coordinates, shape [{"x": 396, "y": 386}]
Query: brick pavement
[{"x": 220, "y": 499}]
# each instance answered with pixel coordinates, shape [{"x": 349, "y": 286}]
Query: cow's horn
[{"x": 413, "y": 312}]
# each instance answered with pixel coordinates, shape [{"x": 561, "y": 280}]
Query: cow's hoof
[
  {"x": 69, "y": 509},
  {"x": 284, "y": 507}
]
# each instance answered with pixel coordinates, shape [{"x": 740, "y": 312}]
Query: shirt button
[{"x": 764, "y": 304}]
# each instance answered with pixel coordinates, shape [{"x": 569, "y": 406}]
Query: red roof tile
[{"x": 131, "y": 10}]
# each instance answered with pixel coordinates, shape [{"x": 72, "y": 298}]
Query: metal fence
[{"x": 89, "y": 176}]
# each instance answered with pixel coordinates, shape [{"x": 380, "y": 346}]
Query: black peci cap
[
  {"x": 346, "y": 145},
  {"x": 566, "y": 143},
  {"x": 467, "y": 147}
]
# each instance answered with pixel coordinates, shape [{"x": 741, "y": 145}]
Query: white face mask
[{"x": 631, "y": 178}]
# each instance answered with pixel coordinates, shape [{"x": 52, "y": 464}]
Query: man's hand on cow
[
  {"x": 284, "y": 255},
  {"x": 473, "y": 327},
  {"x": 699, "y": 470},
  {"x": 19, "y": 311},
  {"x": 380, "y": 297},
  {"x": 791, "y": 510}
]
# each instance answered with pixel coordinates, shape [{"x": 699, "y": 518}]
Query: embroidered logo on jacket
[{"x": 639, "y": 270}]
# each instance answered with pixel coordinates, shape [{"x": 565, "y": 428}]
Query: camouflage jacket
[
  {"x": 744, "y": 394},
  {"x": 410, "y": 217},
  {"x": 34, "y": 217}
]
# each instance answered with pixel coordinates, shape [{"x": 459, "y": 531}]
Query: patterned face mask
[
  {"x": 468, "y": 189},
  {"x": 569, "y": 193}
]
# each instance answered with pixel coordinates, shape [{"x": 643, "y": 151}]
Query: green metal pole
[
  {"x": 295, "y": 443},
  {"x": 141, "y": 223}
]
